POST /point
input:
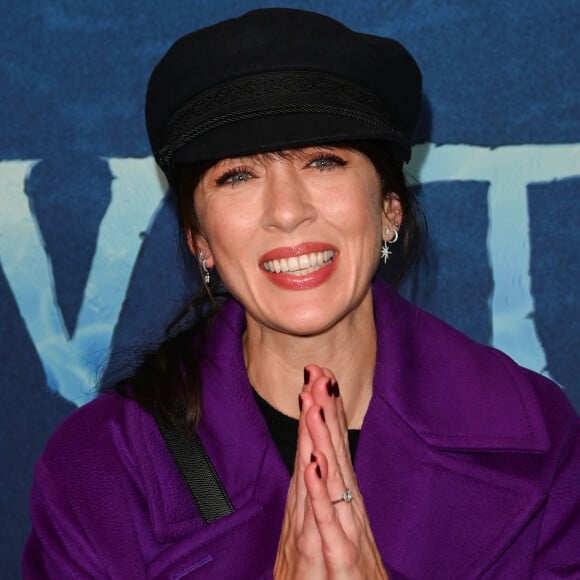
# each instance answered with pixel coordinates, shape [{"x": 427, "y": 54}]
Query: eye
[
  {"x": 326, "y": 161},
  {"x": 235, "y": 176}
]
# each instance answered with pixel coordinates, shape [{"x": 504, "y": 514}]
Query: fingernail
[
  {"x": 318, "y": 472},
  {"x": 336, "y": 390},
  {"x": 306, "y": 376},
  {"x": 329, "y": 388},
  {"x": 322, "y": 415},
  {"x": 312, "y": 457},
  {"x": 300, "y": 402}
]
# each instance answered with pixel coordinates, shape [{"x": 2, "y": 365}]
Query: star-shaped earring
[{"x": 385, "y": 250}]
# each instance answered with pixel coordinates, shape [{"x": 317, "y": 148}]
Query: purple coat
[{"x": 468, "y": 464}]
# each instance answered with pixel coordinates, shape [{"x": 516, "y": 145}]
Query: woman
[{"x": 349, "y": 434}]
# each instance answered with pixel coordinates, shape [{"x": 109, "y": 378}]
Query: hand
[
  {"x": 322, "y": 539},
  {"x": 300, "y": 548}
]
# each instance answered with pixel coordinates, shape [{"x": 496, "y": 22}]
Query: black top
[{"x": 284, "y": 431}]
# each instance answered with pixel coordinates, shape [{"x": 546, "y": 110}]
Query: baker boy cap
[{"x": 275, "y": 79}]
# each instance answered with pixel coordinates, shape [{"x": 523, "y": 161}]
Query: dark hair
[{"x": 167, "y": 383}]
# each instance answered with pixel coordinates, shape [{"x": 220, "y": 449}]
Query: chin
[{"x": 308, "y": 325}]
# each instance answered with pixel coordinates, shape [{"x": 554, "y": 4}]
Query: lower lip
[{"x": 306, "y": 282}]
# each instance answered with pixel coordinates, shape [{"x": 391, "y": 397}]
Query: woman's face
[{"x": 295, "y": 236}]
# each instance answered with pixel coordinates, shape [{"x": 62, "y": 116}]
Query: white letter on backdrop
[{"x": 74, "y": 364}]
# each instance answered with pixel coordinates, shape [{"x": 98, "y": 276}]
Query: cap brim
[{"x": 291, "y": 130}]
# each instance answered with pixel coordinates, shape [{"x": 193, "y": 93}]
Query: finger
[
  {"x": 312, "y": 372},
  {"x": 310, "y": 528},
  {"x": 336, "y": 547},
  {"x": 304, "y": 444},
  {"x": 304, "y": 448},
  {"x": 312, "y": 375},
  {"x": 328, "y": 373},
  {"x": 322, "y": 441},
  {"x": 326, "y": 394},
  {"x": 330, "y": 400},
  {"x": 339, "y": 402}
]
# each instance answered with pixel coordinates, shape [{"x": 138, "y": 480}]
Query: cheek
[
  {"x": 363, "y": 213},
  {"x": 227, "y": 228}
]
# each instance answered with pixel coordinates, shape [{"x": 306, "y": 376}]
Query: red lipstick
[
  {"x": 294, "y": 267},
  {"x": 294, "y": 251}
]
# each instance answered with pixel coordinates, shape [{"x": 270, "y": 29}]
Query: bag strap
[{"x": 198, "y": 472}]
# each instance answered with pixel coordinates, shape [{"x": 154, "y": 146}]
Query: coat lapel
[
  {"x": 450, "y": 448},
  {"x": 453, "y": 392},
  {"x": 438, "y": 513},
  {"x": 233, "y": 429},
  {"x": 247, "y": 462}
]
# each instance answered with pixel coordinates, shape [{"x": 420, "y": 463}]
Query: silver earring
[
  {"x": 385, "y": 250},
  {"x": 206, "y": 275}
]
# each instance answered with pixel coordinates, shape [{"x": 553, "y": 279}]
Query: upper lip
[{"x": 297, "y": 250}]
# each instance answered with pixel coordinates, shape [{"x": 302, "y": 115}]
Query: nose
[{"x": 287, "y": 202}]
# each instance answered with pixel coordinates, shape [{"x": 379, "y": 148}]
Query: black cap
[{"x": 278, "y": 78}]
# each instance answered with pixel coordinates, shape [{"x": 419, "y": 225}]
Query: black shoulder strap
[{"x": 197, "y": 470}]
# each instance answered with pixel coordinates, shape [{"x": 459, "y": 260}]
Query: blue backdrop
[{"x": 89, "y": 266}]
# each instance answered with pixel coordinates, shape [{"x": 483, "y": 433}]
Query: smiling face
[{"x": 295, "y": 235}]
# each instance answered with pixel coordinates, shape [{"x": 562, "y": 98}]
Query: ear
[
  {"x": 392, "y": 214},
  {"x": 199, "y": 246}
]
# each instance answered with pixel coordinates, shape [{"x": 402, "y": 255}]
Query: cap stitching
[
  {"x": 165, "y": 154},
  {"x": 307, "y": 89}
]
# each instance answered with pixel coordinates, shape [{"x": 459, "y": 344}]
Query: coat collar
[
  {"x": 232, "y": 428},
  {"x": 449, "y": 444},
  {"x": 237, "y": 440},
  {"x": 454, "y": 393}
]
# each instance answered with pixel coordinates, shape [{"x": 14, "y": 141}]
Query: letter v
[{"x": 74, "y": 364}]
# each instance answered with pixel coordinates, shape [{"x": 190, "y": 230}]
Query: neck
[{"x": 276, "y": 361}]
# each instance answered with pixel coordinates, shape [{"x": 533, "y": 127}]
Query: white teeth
[
  {"x": 293, "y": 264},
  {"x": 300, "y": 265}
]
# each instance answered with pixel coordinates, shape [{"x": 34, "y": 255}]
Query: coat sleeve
[
  {"x": 89, "y": 510},
  {"x": 58, "y": 546},
  {"x": 558, "y": 549}
]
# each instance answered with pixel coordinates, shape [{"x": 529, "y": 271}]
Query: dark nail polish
[
  {"x": 336, "y": 390},
  {"x": 322, "y": 415},
  {"x": 300, "y": 402},
  {"x": 318, "y": 472},
  {"x": 306, "y": 376},
  {"x": 312, "y": 457},
  {"x": 329, "y": 388}
]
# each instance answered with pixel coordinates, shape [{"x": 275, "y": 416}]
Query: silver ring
[{"x": 346, "y": 497}]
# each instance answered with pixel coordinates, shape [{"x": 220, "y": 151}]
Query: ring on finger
[{"x": 346, "y": 497}]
